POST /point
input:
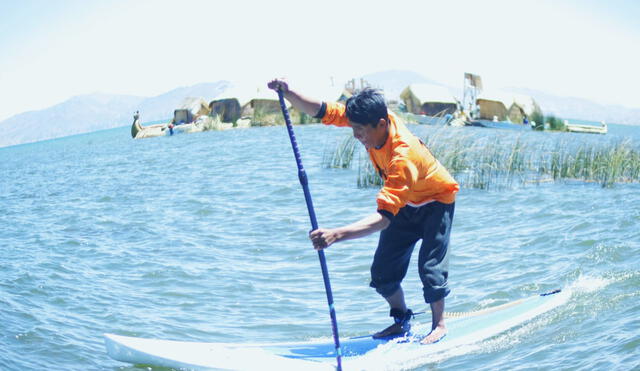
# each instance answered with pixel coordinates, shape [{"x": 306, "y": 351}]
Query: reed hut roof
[
  {"x": 195, "y": 105},
  {"x": 527, "y": 104},
  {"x": 252, "y": 97},
  {"x": 494, "y": 104},
  {"x": 497, "y": 96},
  {"x": 190, "y": 109},
  {"x": 246, "y": 93},
  {"x": 428, "y": 93},
  {"x": 428, "y": 99}
]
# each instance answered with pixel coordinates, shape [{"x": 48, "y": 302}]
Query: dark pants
[{"x": 432, "y": 224}]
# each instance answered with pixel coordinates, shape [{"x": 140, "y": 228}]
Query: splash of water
[
  {"x": 588, "y": 284},
  {"x": 393, "y": 356}
]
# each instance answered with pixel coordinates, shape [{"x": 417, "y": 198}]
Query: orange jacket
[{"x": 411, "y": 174}]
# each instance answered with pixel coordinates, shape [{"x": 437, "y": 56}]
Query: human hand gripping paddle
[{"x": 302, "y": 176}]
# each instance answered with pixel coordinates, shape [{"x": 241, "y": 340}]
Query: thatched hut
[
  {"x": 247, "y": 102},
  {"x": 189, "y": 111},
  {"x": 515, "y": 113},
  {"x": 521, "y": 107},
  {"x": 428, "y": 99},
  {"x": 259, "y": 107},
  {"x": 227, "y": 109},
  {"x": 506, "y": 106},
  {"x": 492, "y": 106}
]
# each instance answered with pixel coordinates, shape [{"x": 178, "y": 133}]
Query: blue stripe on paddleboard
[{"x": 458, "y": 328}]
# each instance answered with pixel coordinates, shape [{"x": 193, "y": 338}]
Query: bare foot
[{"x": 435, "y": 335}]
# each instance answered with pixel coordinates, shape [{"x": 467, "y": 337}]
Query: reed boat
[{"x": 139, "y": 131}]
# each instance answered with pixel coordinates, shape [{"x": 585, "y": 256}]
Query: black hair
[{"x": 367, "y": 107}]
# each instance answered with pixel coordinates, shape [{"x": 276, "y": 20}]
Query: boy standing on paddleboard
[{"x": 416, "y": 203}]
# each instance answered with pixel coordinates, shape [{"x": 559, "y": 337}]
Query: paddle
[{"x": 302, "y": 176}]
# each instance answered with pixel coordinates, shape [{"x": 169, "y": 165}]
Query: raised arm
[{"x": 300, "y": 102}]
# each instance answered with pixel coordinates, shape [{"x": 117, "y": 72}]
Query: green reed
[
  {"x": 367, "y": 175},
  {"x": 497, "y": 162},
  {"x": 342, "y": 155}
]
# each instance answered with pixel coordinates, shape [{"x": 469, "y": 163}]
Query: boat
[
  {"x": 581, "y": 128},
  {"x": 429, "y": 120},
  {"x": 429, "y": 104},
  {"x": 204, "y": 123},
  {"x": 498, "y": 125},
  {"x": 139, "y": 131}
]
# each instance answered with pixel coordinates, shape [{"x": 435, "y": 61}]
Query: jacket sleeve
[
  {"x": 400, "y": 180},
  {"x": 335, "y": 114}
]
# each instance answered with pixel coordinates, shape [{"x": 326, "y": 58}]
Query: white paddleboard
[{"x": 463, "y": 328}]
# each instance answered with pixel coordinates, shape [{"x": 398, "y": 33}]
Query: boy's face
[{"x": 369, "y": 136}]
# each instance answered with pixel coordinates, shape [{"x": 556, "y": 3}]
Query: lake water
[{"x": 203, "y": 237}]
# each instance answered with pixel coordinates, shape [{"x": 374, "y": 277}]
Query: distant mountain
[
  {"x": 161, "y": 107},
  {"x": 579, "y": 108},
  {"x": 77, "y": 115},
  {"x": 92, "y": 112}
]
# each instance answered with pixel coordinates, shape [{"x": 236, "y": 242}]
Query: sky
[{"x": 51, "y": 50}]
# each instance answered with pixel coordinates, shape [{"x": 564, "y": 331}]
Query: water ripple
[{"x": 204, "y": 237}]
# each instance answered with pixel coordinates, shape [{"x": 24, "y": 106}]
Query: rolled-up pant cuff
[
  {"x": 385, "y": 290},
  {"x": 432, "y": 295}
]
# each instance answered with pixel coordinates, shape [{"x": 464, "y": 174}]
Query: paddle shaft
[{"x": 302, "y": 176}]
